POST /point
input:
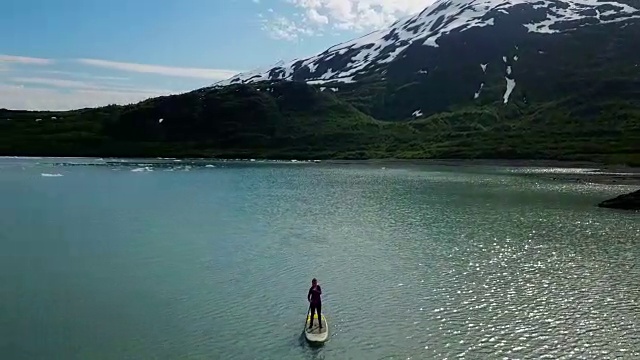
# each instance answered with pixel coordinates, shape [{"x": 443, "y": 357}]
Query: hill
[
  {"x": 294, "y": 120},
  {"x": 280, "y": 120}
]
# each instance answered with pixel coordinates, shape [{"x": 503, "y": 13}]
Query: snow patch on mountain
[
  {"x": 477, "y": 94},
  {"x": 511, "y": 84}
]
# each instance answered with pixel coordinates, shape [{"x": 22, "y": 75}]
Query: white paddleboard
[{"x": 315, "y": 334}]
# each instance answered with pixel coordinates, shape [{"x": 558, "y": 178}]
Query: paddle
[{"x": 305, "y": 318}]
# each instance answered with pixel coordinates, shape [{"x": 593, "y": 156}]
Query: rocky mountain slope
[
  {"x": 439, "y": 24},
  {"x": 460, "y": 52}
]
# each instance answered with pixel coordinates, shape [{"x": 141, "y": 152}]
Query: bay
[{"x": 139, "y": 259}]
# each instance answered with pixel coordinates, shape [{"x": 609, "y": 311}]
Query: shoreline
[{"x": 585, "y": 171}]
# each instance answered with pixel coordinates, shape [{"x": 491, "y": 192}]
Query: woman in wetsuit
[{"x": 315, "y": 301}]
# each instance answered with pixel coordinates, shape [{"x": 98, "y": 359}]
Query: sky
[{"x": 69, "y": 54}]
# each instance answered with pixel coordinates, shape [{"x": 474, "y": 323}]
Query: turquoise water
[{"x": 168, "y": 259}]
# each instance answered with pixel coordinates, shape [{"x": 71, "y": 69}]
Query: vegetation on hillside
[{"x": 295, "y": 120}]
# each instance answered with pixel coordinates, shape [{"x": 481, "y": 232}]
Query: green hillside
[{"x": 295, "y": 120}]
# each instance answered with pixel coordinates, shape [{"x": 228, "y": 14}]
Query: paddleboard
[{"x": 315, "y": 334}]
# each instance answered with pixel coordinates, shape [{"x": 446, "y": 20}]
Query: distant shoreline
[
  {"x": 443, "y": 161},
  {"x": 596, "y": 173},
  {"x": 482, "y": 162},
  {"x": 593, "y": 172}
]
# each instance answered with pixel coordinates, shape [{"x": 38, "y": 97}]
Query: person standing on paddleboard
[{"x": 315, "y": 301}]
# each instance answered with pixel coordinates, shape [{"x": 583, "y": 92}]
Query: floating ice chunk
[
  {"x": 160, "y": 121},
  {"x": 51, "y": 175}
]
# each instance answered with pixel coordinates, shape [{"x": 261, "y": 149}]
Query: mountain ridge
[{"x": 354, "y": 59}]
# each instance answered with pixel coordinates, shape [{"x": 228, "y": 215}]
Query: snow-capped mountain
[{"x": 445, "y": 21}]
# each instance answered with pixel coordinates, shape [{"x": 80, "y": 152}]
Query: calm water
[{"x": 118, "y": 262}]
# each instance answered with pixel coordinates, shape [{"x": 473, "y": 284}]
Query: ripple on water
[{"x": 413, "y": 264}]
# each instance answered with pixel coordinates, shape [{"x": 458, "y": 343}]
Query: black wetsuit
[{"x": 316, "y": 303}]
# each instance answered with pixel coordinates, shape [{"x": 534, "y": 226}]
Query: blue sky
[{"x": 65, "y": 54}]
